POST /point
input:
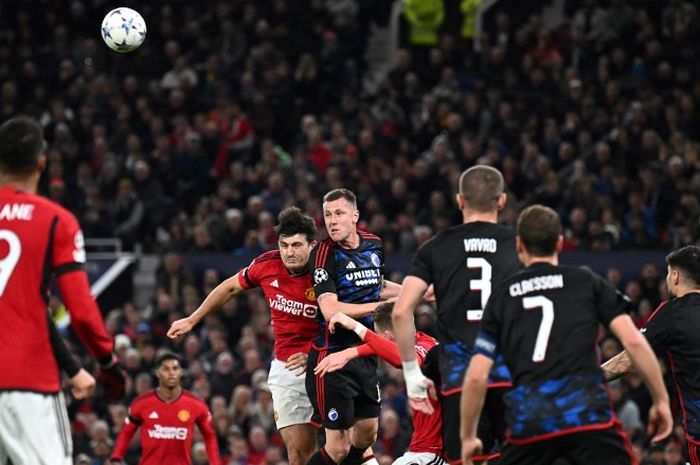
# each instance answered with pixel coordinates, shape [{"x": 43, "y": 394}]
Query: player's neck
[
  {"x": 529, "y": 260},
  {"x": 352, "y": 242},
  {"x": 686, "y": 290},
  {"x": 472, "y": 216},
  {"x": 24, "y": 183},
  {"x": 168, "y": 394}
]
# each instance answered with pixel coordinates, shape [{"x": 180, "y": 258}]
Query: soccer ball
[{"x": 123, "y": 29}]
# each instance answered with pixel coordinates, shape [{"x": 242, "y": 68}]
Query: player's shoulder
[
  {"x": 53, "y": 207},
  {"x": 269, "y": 256},
  {"x": 369, "y": 237},
  {"x": 321, "y": 252},
  {"x": 193, "y": 398},
  {"x": 425, "y": 340},
  {"x": 144, "y": 398}
]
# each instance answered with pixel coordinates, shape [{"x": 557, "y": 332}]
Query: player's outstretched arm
[
  {"x": 390, "y": 290},
  {"x": 418, "y": 386},
  {"x": 473, "y": 395},
  {"x": 617, "y": 366},
  {"x": 402, "y": 317},
  {"x": 214, "y": 301},
  {"x": 329, "y": 305},
  {"x": 645, "y": 362}
]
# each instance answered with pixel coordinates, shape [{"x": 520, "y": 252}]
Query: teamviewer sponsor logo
[
  {"x": 167, "y": 432},
  {"x": 292, "y": 306}
]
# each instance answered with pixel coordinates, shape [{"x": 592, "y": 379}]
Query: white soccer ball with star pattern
[{"x": 123, "y": 29}]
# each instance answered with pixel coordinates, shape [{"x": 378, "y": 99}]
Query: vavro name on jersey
[
  {"x": 538, "y": 283},
  {"x": 481, "y": 244}
]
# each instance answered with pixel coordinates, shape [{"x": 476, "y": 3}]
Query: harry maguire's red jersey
[
  {"x": 40, "y": 239},
  {"x": 167, "y": 428},
  {"x": 291, "y": 299}
]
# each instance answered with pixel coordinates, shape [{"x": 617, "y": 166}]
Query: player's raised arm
[
  {"x": 330, "y": 305},
  {"x": 214, "y": 301},
  {"x": 645, "y": 362}
]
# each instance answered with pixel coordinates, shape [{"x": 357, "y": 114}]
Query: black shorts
[
  {"x": 609, "y": 446},
  {"x": 492, "y": 424},
  {"x": 341, "y": 397}
]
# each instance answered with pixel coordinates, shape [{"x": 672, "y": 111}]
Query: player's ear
[
  {"x": 519, "y": 248},
  {"x": 560, "y": 243},
  {"x": 460, "y": 201},
  {"x": 355, "y": 216},
  {"x": 41, "y": 163},
  {"x": 502, "y": 199},
  {"x": 313, "y": 244}
]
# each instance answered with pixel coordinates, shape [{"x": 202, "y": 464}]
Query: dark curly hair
[{"x": 292, "y": 221}]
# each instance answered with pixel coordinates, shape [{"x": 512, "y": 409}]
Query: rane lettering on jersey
[
  {"x": 167, "y": 432},
  {"x": 538, "y": 283},
  {"x": 17, "y": 211},
  {"x": 480, "y": 244},
  {"x": 364, "y": 277},
  {"x": 292, "y": 306}
]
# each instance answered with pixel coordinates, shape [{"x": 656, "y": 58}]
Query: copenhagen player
[
  {"x": 673, "y": 329},
  {"x": 166, "y": 416},
  {"x": 348, "y": 277},
  {"x": 426, "y": 442},
  {"x": 544, "y": 320},
  {"x": 39, "y": 240},
  {"x": 463, "y": 263},
  {"x": 284, "y": 278}
]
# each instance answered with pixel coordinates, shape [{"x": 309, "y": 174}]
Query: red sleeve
[
  {"x": 86, "y": 319},
  {"x": 206, "y": 427},
  {"x": 251, "y": 275},
  {"x": 68, "y": 244},
  {"x": 131, "y": 424},
  {"x": 68, "y": 263},
  {"x": 386, "y": 349}
]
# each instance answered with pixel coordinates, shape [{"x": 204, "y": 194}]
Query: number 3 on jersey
[
  {"x": 483, "y": 285},
  {"x": 7, "y": 264}
]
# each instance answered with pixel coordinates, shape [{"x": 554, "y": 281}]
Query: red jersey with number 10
[
  {"x": 292, "y": 302},
  {"x": 40, "y": 239}
]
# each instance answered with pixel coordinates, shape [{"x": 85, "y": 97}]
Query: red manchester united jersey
[
  {"x": 167, "y": 428},
  {"x": 427, "y": 429},
  {"x": 38, "y": 239},
  {"x": 291, "y": 299}
]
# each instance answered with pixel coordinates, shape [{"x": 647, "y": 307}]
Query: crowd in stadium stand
[{"x": 232, "y": 110}]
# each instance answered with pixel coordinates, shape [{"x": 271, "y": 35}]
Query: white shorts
[
  {"x": 34, "y": 429},
  {"x": 289, "y": 398},
  {"x": 419, "y": 458}
]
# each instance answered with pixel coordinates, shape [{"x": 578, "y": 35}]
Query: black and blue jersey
[
  {"x": 544, "y": 322},
  {"x": 354, "y": 275},
  {"x": 464, "y": 263},
  {"x": 673, "y": 330}
]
